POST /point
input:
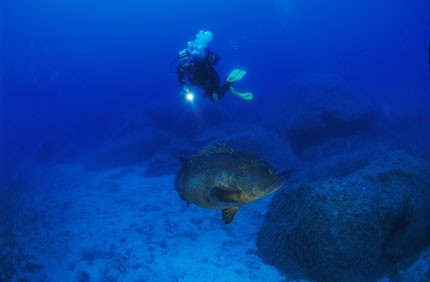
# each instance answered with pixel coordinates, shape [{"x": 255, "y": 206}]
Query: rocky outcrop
[
  {"x": 251, "y": 139},
  {"x": 321, "y": 109},
  {"x": 353, "y": 228}
]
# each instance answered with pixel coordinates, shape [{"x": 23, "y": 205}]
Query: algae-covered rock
[{"x": 353, "y": 228}]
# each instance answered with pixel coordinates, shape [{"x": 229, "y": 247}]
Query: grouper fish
[{"x": 220, "y": 178}]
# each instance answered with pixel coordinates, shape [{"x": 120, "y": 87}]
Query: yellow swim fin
[
  {"x": 236, "y": 75},
  {"x": 246, "y": 95}
]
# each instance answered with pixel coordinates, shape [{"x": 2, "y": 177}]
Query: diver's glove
[{"x": 185, "y": 90}]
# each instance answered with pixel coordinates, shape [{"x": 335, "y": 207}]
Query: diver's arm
[{"x": 181, "y": 77}]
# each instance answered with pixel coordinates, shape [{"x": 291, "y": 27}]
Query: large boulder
[
  {"x": 322, "y": 108},
  {"x": 241, "y": 137},
  {"x": 353, "y": 228},
  {"x": 337, "y": 158},
  {"x": 253, "y": 139}
]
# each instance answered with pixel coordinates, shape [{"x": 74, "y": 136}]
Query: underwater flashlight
[{"x": 189, "y": 96}]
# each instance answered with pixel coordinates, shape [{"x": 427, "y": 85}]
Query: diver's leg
[
  {"x": 214, "y": 97},
  {"x": 223, "y": 89},
  {"x": 212, "y": 86},
  {"x": 211, "y": 93},
  {"x": 218, "y": 90}
]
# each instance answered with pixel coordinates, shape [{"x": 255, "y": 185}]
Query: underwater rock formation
[
  {"x": 252, "y": 139},
  {"x": 337, "y": 159},
  {"x": 353, "y": 228},
  {"x": 321, "y": 109}
]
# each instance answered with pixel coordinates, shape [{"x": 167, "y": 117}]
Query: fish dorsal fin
[
  {"x": 213, "y": 149},
  {"x": 205, "y": 152},
  {"x": 225, "y": 197},
  {"x": 228, "y": 214}
]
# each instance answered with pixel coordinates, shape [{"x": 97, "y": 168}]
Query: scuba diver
[{"x": 196, "y": 63}]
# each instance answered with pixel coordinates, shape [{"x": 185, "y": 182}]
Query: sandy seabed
[{"x": 117, "y": 225}]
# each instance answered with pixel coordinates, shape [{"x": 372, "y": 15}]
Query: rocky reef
[{"x": 352, "y": 228}]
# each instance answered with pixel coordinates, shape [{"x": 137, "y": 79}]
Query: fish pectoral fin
[
  {"x": 225, "y": 197},
  {"x": 228, "y": 214}
]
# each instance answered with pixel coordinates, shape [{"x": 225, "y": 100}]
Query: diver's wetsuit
[{"x": 202, "y": 73}]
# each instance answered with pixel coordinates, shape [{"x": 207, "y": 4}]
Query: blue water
[{"x": 91, "y": 82}]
